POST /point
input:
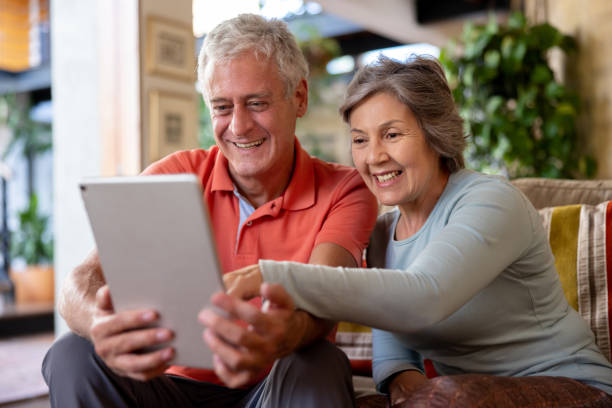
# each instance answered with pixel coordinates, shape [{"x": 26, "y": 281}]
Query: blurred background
[{"x": 105, "y": 87}]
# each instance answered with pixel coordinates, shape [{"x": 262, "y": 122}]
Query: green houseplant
[
  {"x": 31, "y": 243},
  {"x": 521, "y": 121}
]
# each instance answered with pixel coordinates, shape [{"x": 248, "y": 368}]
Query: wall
[
  {"x": 76, "y": 128},
  {"x": 590, "y": 71},
  {"x": 176, "y": 14},
  {"x": 98, "y": 122}
]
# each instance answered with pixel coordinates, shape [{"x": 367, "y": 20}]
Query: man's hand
[
  {"x": 242, "y": 352},
  {"x": 243, "y": 283},
  {"x": 404, "y": 384},
  {"x": 118, "y": 339}
]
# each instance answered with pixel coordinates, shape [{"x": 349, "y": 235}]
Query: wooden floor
[
  {"x": 20, "y": 362},
  {"x": 26, "y": 333}
]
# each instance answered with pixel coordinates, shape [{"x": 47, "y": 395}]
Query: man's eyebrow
[
  {"x": 259, "y": 95},
  {"x": 256, "y": 95},
  {"x": 218, "y": 100}
]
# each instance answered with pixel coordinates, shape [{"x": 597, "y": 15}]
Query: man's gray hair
[
  {"x": 264, "y": 38},
  {"x": 421, "y": 85}
]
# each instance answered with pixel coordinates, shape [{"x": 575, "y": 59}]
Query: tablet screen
[{"x": 157, "y": 250}]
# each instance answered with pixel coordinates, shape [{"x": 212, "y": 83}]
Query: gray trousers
[{"x": 316, "y": 376}]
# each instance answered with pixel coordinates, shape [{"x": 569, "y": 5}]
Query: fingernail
[
  {"x": 167, "y": 354},
  {"x": 148, "y": 316},
  {"x": 162, "y": 335}
]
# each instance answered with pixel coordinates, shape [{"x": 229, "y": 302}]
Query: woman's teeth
[
  {"x": 247, "y": 145},
  {"x": 387, "y": 176}
]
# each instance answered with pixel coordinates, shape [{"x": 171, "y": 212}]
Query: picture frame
[
  {"x": 170, "y": 49},
  {"x": 172, "y": 123}
]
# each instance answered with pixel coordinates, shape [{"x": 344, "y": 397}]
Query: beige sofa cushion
[{"x": 544, "y": 192}]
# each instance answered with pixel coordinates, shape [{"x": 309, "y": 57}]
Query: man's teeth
[
  {"x": 387, "y": 176},
  {"x": 247, "y": 145}
]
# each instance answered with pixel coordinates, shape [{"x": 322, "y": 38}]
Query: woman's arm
[{"x": 487, "y": 231}]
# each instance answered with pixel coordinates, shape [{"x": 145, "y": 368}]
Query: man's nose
[{"x": 241, "y": 121}]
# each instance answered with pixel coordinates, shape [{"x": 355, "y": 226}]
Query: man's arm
[
  {"x": 118, "y": 338},
  {"x": 77, "y": 300}
]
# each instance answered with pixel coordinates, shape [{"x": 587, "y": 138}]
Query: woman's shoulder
[
  {"x": 469, "y": 184},
  {"x": 479, "y": 191}
]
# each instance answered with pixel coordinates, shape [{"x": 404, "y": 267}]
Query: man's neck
[{"x": 261, "y": 189}]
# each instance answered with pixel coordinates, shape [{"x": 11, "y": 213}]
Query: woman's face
[{"x": 390, "y": 152}]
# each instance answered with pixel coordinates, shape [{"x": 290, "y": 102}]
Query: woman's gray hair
[
  {"x": 253, "y": 33},
  {"x": 420, "y": 84}
]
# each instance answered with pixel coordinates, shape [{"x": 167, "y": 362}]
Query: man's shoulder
[
  {"x": 185, "y": 161},
  {"x": 333, "y": 173}
]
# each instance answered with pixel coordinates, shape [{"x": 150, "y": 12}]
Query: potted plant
[
  {"x": 32, "y": 243},
  {"x": 521, "y": 121}
]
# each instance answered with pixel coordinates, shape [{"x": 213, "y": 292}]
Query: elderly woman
[{"x": 461, "y": 270}]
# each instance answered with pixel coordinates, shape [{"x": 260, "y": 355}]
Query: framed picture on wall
[
  {"x": 172, "y": 123},
  {"x": 170, "y": 48}
]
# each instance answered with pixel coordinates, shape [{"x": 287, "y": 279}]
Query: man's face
[{"x": 253, "y": 120}]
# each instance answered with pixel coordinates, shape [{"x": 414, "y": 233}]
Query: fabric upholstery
[{"x": 581, "y": 240}]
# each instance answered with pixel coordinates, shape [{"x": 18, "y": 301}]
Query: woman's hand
[
  {"x": 404, "y": 384},
  {"x": 243, "y": 283}
]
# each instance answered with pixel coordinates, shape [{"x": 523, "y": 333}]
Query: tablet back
[{"x": 157, "y": 250}]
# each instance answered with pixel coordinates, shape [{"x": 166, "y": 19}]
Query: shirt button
[{"x": 249, "y": 223}]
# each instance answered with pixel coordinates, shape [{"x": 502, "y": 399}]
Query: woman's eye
[
  {"x": 358, "y": 140},
  {"x": 392, "y": 135}
]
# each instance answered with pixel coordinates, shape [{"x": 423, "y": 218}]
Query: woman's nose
[{"x": 377, "y": 153}]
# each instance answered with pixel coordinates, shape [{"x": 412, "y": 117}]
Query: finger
[
  {"x": 103, "y": 299},
  {"x": 239, "y": 309},
  {"x": 231, "y": 378},
  {"x": 229, "y": 331},
  {"x": 277, "y": 296},
  {"x": 132, "y": 341},
  {"x": 124, "y": 321},
  {"x": 235, "y": 359},
  {"x": 144, "y": 366}
]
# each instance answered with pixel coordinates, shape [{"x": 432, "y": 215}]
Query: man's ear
[{"x": 301, "y": 97}]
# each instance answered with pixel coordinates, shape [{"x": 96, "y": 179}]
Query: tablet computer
[{"x": 157, "y": 251}]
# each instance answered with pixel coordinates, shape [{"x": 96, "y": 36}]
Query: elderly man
[{"x": 268, "y": 199}]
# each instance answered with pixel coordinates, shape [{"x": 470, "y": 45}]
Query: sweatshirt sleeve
[
  {"x": 488, "y": 229},
  {"x": 391, "y": 357}
]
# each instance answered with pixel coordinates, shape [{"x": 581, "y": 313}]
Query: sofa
[{"x": 578, "y": 217}]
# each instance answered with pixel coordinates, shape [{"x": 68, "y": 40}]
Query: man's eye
[
  {"x": 220, "y": 109},
  {"x": 358, "y": 140},
  {"x": 392, "y": 135},
  {"x": 258, "y": 105}
]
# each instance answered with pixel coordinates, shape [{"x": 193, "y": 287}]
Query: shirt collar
[
  {"x": 299, "y": 194},
  {"x": 221, "y": 179}
]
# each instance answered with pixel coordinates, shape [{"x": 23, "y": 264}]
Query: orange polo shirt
[{"x": 324, "y": 202}]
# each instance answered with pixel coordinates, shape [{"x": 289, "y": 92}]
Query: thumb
[
  {"x": 277, "y": 296},
  {"x": 103, "y": 299}
]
